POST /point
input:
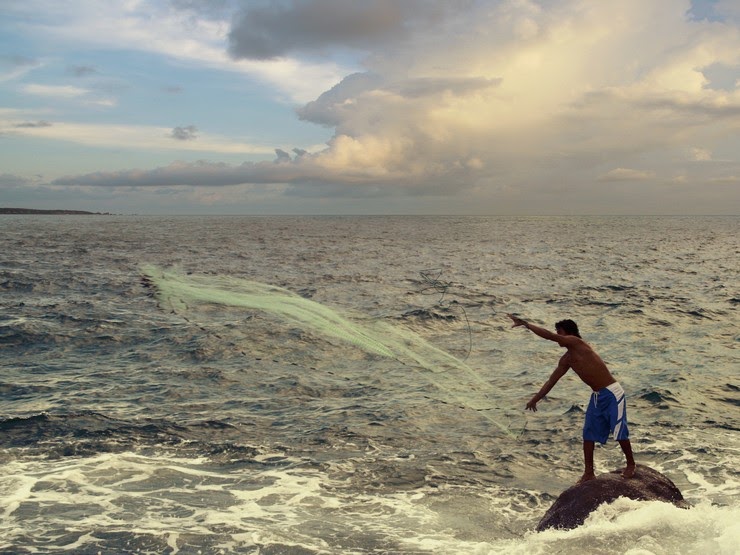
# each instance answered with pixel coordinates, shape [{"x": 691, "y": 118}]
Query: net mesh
[{"x": 183, "y": 293}]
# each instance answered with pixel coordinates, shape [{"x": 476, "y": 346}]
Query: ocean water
[{"x": 133, "y": 425}]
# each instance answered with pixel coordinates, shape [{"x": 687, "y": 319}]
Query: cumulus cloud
[
  {"x": 526, "y": 92},
  {"x": 494, "y": 98}
]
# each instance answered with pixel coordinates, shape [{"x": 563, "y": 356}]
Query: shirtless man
[{"x": 607, "y": 412}]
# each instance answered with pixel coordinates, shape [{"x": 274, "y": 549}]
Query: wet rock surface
[{"x": 574, "y": 505}]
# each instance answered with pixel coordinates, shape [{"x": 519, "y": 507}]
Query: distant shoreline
[{"x": 31, "y": 211}]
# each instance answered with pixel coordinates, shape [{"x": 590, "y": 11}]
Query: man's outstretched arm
[
  {"x": 559, "y": 372},
  {"x": 564, "y": 340}
]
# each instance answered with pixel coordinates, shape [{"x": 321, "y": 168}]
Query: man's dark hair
[{"x": 568, "y": 326}]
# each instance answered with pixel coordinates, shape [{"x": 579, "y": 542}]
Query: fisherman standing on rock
[{"x": 607, "y": 410}]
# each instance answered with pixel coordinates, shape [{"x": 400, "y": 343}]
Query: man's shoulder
[
  {"x": 577, "y": 347},
  {"x": 573, "y": 342}
]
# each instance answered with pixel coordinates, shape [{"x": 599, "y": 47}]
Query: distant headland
[{"x": 30, "y": 211}]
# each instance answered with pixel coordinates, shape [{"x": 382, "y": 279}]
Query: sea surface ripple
[{"x": 129, "y": 427}]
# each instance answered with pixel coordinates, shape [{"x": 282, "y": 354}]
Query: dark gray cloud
[
  {"x": 697, "y": 111},
  {"x": 279, "y": 28},
  {"x": 304, "y": 168},
  {"x": 201, "y": 173},
  {"x": 81, "y": 71},
  {"x": 282, "y": 156},
  {"x": 18, "y": 61},
  {"x": 10, "y": 181},
  {"x": 301, "y": 170},
  {"x": 188, "y": 133},
  {"x": 33, "y": 124}
]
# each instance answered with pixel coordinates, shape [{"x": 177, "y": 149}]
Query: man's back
[{"x": 588, "y": 364}]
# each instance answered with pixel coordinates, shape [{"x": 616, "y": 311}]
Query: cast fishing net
[{"x": 184, "y": 293}]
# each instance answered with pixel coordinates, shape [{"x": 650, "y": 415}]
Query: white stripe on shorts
[{"x": 618, "y": 392}]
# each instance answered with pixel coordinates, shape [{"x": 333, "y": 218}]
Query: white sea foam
[
  {"x": 164, "y": 500},
  {"x": 624, "y": 527},
  {"x": 682, "y": 457},
  {"x": 169, "y": 502}
]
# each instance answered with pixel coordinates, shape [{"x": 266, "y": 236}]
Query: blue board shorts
[{"x": 606, "y": 415}]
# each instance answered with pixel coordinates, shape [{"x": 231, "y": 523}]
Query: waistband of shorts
[{"x": 616, "y": 389}]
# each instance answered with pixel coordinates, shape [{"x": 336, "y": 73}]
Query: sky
[{"x": 520, "y": 107}]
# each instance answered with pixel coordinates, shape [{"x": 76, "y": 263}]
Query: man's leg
[
  {"x": 629, "y": 470},
  {"x": 588, "y": 459}
]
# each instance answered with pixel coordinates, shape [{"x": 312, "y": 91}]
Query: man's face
[{"x": 560, "y": 331}]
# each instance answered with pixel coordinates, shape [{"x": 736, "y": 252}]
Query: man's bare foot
[
  {"x": 586, "y": 477},
  {"x": 629, "y": 471}
]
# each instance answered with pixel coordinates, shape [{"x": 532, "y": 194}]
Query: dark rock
[{"x": 577, "y": 502}]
